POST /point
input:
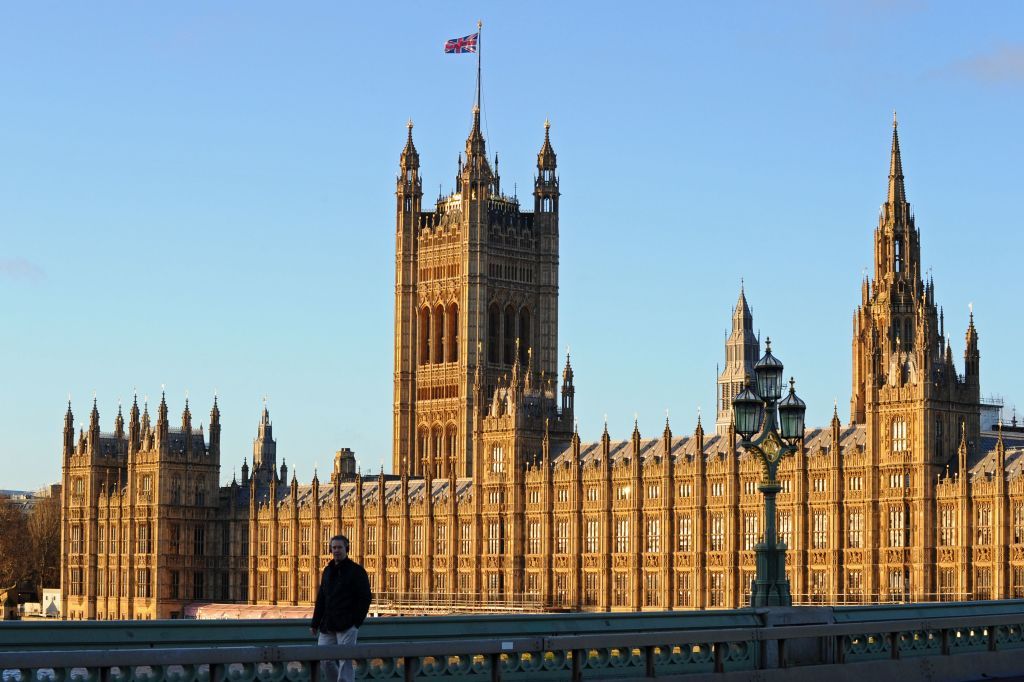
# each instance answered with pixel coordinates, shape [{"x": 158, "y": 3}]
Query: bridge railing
[{"x": 780, "y": 638}]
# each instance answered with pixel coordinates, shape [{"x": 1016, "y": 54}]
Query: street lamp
[{"x": 780, "y": 428}]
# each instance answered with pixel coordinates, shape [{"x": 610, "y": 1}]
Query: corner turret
[
  {"x": 215, "y": 430},
  {"x": 545, "y": 186}
]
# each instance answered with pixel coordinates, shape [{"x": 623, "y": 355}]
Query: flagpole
[{"x": 479, "y": 35}]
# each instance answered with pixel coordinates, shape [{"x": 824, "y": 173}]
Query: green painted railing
[
  {"x": 39, "y": 635},
  {"x": 538, "y": 647}
]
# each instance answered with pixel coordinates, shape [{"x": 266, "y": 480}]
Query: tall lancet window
[
  {"x": 509, "y": 335},
  {"x": 493, "y": 333},
  {"x": 898, "y": 256},
  {"x": 524, "y": 335}
]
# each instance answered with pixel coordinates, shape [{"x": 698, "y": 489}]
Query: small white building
[{"x": 51, "y": 602}]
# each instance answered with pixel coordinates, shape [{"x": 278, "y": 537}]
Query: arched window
[
  {"x": 908, "y": 334},
  {"x": 438, "y": 344},
  {"x": 898, "y": 256},
  {"x": 452, "y": 319},
  {"x": 449, "y": 447},
  {"x": 899, "y": 435},
  {"x": 497, "y": 459},
  {"x": 201, "y": 492},
  {"x": 422, "y": 450},
  {"x": 524, "y": 334},
  {"x": 436, "y": 452},
  {"x": 493, "y": 334},
  {"x": 424, "y": 335},
  {"x": 176, "y": 489},
  {"x": 509, "y": 335}
]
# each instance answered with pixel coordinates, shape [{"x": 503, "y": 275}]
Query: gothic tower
[
  {"x": 907, "y": 391},
  {"x": 476, "y": 280},
  {"x": 264, "y": 452},
  {"x": 742, "y": 350},
  {"x": 901, "y": 355}
]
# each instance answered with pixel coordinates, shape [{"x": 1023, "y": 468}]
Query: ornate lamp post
[{"x": 755, "y": 413}]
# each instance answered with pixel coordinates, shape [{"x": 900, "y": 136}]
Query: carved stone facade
[
  {"x": 146, "y": 527},
  {"x": 476, "y": 286},
  {"x": 910, "y": 501}
]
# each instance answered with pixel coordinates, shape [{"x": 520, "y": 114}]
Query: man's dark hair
[{"x": 342, "y": 538}]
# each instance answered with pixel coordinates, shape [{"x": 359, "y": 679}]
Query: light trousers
[{"x": 344, "y": 670}]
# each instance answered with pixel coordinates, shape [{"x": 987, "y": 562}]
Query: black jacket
[{"x": 343, "y": 598}]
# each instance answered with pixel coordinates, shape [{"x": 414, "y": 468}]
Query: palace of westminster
[{"x": 494, "y": 499}]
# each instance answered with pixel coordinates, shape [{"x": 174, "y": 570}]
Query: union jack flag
[{"x": 459, "y": 45}]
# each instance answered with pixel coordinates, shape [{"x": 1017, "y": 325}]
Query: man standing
[{"x": 341, "y": 606}]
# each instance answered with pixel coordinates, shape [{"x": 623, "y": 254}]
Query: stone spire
[
  {"x": 971, "y": 354},
  {"x": 666, "y": 438},
  {"x": 545, "y": 186},
  {"x": 698, "y": 434},
  {"x": 897, "y": 192},
  {"x": 215, "y": 428},
  {"x": 134, "y": 425},
  {"x": 475, "y": 142},
  {"x": 476, "y": 168},
  {"x": 94, "y": 417},
  {"x": 161, "y": 418},
  {"x": 264, "y": 450},
  {"x": 69, "y": 430},
  {"x": 742, "y": 350},
  {"x": 568, "y": 390},
  {"x": 119, "y": 423},
  {"x": 186, "y": 419},
  {"x": 410, "y": 159},
  {"x": 546, "y": 159}
]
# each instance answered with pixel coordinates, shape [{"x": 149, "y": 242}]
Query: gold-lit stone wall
[{"x": 494, "y": 500}]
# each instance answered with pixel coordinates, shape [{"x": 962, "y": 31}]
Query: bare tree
[
  {"x": 14, "y": 544},
  {"x": 44, "y": 539}
]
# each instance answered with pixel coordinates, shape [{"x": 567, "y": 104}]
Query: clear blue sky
[{"x": 200, "y": 194}]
